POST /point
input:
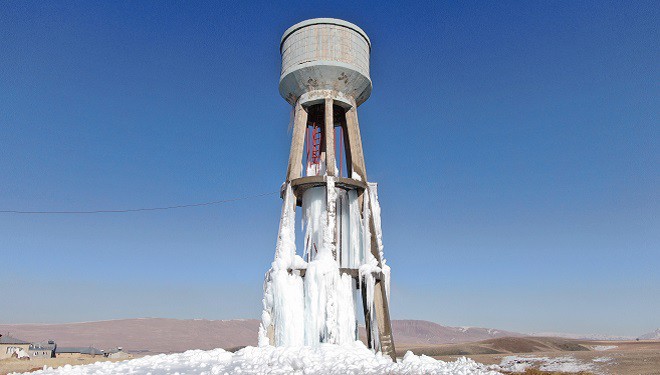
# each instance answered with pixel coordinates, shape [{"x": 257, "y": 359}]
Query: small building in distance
[
  {"x": 117, "y": 353},
  {"x": 43, "y": 349},
  {"x": 77, "y": 352},
  {"x": 13, "y": 347}
]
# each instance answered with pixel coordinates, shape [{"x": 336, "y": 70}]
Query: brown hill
[
  {"x": 159, "y": 335},
  {"x": 501, "y": 345},
  {"x": 425, "y": 332},
  {"x": 155, "y": 335}
]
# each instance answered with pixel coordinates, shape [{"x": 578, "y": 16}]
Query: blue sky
[{"x": 515, "y": 144}]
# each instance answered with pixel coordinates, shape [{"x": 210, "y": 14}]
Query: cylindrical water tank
[{"x": 325, "y": 54}]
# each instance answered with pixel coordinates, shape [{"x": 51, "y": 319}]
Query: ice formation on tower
[{"x": 321, "y": 307}]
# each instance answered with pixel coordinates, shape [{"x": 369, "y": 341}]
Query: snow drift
[{"x": 353, "y": 358}]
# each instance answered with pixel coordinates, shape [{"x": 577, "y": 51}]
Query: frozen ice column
[{"x": 313, "y": 296}]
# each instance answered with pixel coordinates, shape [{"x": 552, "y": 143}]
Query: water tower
[{"x": 315, "y": 295}]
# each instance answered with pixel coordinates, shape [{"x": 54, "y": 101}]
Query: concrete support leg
[
  {"x": 381, "y": 302},
  {"x": 294, "y": 170},
  {"x": 381, "y": 306},
  {"x": 331, "y": 165},
  {"x": 367, "y": 317},
  {"x": 355, "y": 145}
]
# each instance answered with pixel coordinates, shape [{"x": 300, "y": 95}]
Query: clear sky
[{"x": 515, "y": 143}]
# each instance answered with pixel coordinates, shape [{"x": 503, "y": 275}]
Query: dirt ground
[
  {"x": 628, "y": 358},
  {"x": 15, "y": 365}
]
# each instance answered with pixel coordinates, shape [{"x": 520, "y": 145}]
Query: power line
[{"x": 141, "y": 209}]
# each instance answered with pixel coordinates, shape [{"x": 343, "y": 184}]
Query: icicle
[
  {"x": 346, "y": 317},
  {"x": 314, "y": 218},
  {"x": 266, "y": 313},
  {"x": 344, "y": 229},
  {"x": 330, "y": 230},
  {"x": 367, "y": 273},
  {"x": 283, "y": 302},
  {"x": 355, "y": 230},
  {"x": 288, "y": 308},
  {"x": 375, "y": 211},
  {"x": 285, "y": 249},
  {"x": 385, "y": 271},
  {"x": 366, "y": 231}
]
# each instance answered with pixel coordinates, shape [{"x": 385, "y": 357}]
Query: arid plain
[{"x": 148, "y": 336}]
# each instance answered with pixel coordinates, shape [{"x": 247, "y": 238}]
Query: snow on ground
[
  {"x": 604, "y": 347},
  {"x": 603, "y": 359},
  {"x": 559, "y": 364},
  {"x": 324, "y": 359}
]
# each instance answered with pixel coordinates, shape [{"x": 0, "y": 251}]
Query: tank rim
[{"x": 324, "y": 21}]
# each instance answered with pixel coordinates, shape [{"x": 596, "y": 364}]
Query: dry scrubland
[
  {"x": 16, "y": 365},
  {"x": 539, "y": 372},
  {"x": 481, "y": 344},
  {"x": 628, "y": 358}
]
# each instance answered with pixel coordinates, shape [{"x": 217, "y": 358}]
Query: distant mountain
[
  {"x": 155, "y": 335},
  {"x": 655, "y": 335},
  {"x": 425, "y": 332},
  {"x": 582, "y": 336},
  {"x": 158, "y": 335}
]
